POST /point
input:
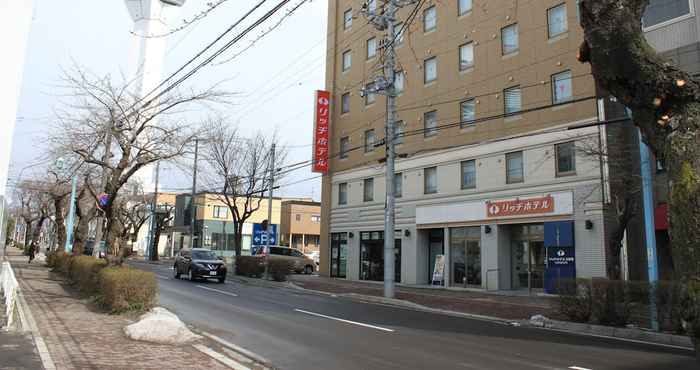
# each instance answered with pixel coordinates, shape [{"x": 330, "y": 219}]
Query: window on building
[
  {"x": 344, "y": 146},
  {"x": 466, "y": 56},
  {"x": 660, "y": 11},
  {"x": 347, "y": 19},
  {"x": 467, "y": 112},
  {"x": 566, "y": 159},
  {"x": 399, "y": 79},
  {"x": 347, "y": 60},
  {"x": 370, "y": 94},
  {"x": 315, "y": 219},
  {"x": 371, "y": 48},
  {"x": 512, "y": 100},
  {"x": 372, "y": 6},
  {"x": 509, "y": 39},
  {"x": 464, "y": 6},
  {"x": 429, "y": 19},
  {"x": 430, "y": 181},
  {"x": 561, "y": 87},
  {"x": 298, "y": 217},
  {"x": 345, "y": 103},
  {"x": 398, "y": 185},
  {"x": 220, "y": 212},
  {"x": 514, "y": 167},
  {"x": 343, "y": 193},
  {"x": 370, "y": 139},
  {"x": 468, "y": 174},
  {"x": 399, "y": 130},
  {"x": 368, "y": 190},
  {"x": 399, "y": 32},
  {"x": 430, "y": 124},
  {"x": 430, "y": 70},
  {"x": 556, "y": 21}
]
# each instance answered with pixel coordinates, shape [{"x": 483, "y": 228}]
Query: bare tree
[
  {"x": 132, "y": 213},
  {"x": 164, "y": 213},
  {"x": 665, "y": 102},
  {"x": 35, "y": 209},
  {"x": 110, "y": 128},
  {"x": 238, "y": 172}
]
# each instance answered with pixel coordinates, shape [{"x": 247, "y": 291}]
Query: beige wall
[
  {"x": 206, "y": 203},
  {"x": 304, "y": 225}
]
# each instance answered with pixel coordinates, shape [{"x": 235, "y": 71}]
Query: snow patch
[
  {"x": 161, "y": 326},
  {"x": 538, "y": 320}
]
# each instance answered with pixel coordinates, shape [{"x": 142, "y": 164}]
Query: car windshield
[{"x": 203, "y": 255}]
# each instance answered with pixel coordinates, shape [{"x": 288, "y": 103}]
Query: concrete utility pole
[
  {"x": 385, "y": 84},
  {"x": 269, "y": 198},
  {"x": 193, "y": 209},
  {"x": 154, "y": 218},
  {"x": 103, "y": 183}
]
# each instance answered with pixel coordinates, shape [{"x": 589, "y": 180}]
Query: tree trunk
[
  {"x": 59, "y": 207},
  {"x": 81, "y": 231},
  {"x": 238, "y": 227},
  {"x": 156, "y": 239},
  {"x": 36, "y": 232}
]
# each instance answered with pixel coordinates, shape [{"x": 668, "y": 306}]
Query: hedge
[
  {"x": 83, "y": 272},
  {"x": 127, "y": 289},
  {"x": 279, "y": 270},
  {"x": 250, "y": 266}
]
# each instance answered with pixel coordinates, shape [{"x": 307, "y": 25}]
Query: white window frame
[
  {"x": 344, "y": 147},
  {"x": 573, "y": 157},
  {"x": 505, "y": 100},
  {"x": 461, "y": 11},
  {"x": 347, "y": 24},
  {"x": 663, "y": 24},
  {"x": 346, "y": 66},
  {"x": 432, "y": 130},
  {"x": 368, "y": 195},
  {"x": 522, "y": 169},
  {"x": 373, "y": 41},
  {"x": 467, "y": 122},
  {"x": 549, "y": 23},
  {"x": 216, "y": 212},
  {"x": 345, "y": 103},
  {"x": 554, "y": 77},
  {"x": 425, "y": 180},
  {"x": 462, "y": 166},
  {"x": 343, "y": 195},
  {"x": 517, "y": 39},
  {"x": 426, "y": 62},
  {"x": 463, "y": 67},
  {"x": 370, "y": 140},
  {"x": 433, "y": 10}
]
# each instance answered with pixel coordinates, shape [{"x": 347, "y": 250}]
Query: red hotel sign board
[
  {"x": 321, "y": 122},
  {"x": 520, "y": 207}
]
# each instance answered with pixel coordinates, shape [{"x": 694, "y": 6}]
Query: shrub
[
  {"x": 250, "y": 266},
  {"x": 126, "y": 289},
  {"x": 575, "y": 301},
  {"x": 611, "y": 301},
  {"x": 279, "y": 269},
  {"x": 83, "y": 272},
  {"x": 59, "y": 261}
]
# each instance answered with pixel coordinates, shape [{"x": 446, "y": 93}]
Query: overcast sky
[{"x": 275, "y": 79}]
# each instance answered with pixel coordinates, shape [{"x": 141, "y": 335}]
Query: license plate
[{"x": 212, "y": 273}]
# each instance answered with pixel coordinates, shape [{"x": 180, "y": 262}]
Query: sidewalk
[
  {"x": 80, "y": 336},
  {"x": 516, "y": 307},
  {"x": 17, "y": 349}
]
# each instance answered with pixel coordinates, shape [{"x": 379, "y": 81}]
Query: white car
[{"x": 315, "y": 255}]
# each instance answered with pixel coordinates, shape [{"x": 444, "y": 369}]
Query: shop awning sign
[{"x": 520, "y": 207}]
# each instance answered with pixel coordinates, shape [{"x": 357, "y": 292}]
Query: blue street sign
[{"x": 260, "y": 235}]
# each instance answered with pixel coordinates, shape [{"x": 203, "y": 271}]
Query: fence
[{"x": 8, "y": 288}]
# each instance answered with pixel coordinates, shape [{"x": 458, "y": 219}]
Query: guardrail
[{"x": 8, "y": 288}]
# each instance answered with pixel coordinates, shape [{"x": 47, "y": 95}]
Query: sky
[{"x": 273, "y": 81}]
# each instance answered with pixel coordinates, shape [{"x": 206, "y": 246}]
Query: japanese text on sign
[
  {"x": 321, "y": 124},
  {"x": 519, "y": 207}
]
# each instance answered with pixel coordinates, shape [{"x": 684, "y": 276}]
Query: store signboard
[
  {"x": 321, "y": 135},
  {"x": 439, "y": 270},
  {"x": 520, "y": 207}
]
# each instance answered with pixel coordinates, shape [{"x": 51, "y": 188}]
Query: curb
[{"x": 27, "y": 322}]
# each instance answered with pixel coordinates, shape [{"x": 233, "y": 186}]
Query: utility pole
[
  {"x": 385, "y": 84},
  {"x": 269, "y": 198},
  {"x": 103, "y": 183},
  {"x": 71, "y": 216},
  {"x": 154, "y": 218},
  {"x": 193, "y": 209}
]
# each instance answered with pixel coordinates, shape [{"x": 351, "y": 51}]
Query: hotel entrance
[
  {"x": 528, "y": 256},
  {"x": 372, "y": 256},
  {"x": 465, "y": 256}
]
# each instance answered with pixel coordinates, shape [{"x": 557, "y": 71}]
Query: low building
[
  {"x": 301, "y": 225},
  {"x": 214, "y": 224},
  {"x": 165, "y": 203}
]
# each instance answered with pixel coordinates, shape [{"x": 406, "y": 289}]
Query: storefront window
[
  {"x": 339, "y": 254},
  {"x": 372, "y": 256},
  {"x": 528, "y": 256},
  {"x": 465, "y": 256}
]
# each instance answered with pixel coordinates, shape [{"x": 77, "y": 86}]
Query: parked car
[
  {"x": 316, "y": 256},
  {"x": 199, "y": 263},
  {"x": 300, "y": 262}
]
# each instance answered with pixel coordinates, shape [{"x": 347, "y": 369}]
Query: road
[{"x": 299, "y": 330}]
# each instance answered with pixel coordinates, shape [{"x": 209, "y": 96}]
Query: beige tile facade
[{"x": 301, "y": 225}]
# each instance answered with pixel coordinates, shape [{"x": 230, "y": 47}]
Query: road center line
[
  {"x": 578, "y": 368},
  {"x": 218, "y": 291},
  {"x": 345, "y": 321}
]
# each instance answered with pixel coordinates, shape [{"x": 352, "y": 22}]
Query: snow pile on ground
[
  {"x": 160, "y": 326},
  {"x": 538, "y": 320},
  {"x": 40, "y": 258}
]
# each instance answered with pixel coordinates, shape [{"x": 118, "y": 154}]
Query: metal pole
[
  {"x": 103, "y": 183},
  {"x": 269, "y": 199},
  {"x": 193, "y": 207},
  {"x": 71, "y": 216},
  {"x": 154, "y": 218},
  {"x": 389, "y": 213},
  {"x": 649, "y": 228}
]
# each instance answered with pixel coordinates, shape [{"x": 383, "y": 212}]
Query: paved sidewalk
[
  {"x": 17, "y": 350},
  {"x": 80, "y": 336},
  {"x": 469, "y": 302}
]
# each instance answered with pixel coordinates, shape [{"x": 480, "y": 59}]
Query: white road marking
[
  {"x": 220, "y": 357},
  {"x": 236, "y": 348},
  {"x": 345, "y": 321},
  {"x": 163, "y": 277},
  {"x": 218, "y": 291},
  {"x": 578, "y": 368}
]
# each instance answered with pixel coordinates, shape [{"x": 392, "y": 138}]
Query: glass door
[
  {"x": 527, "y": 264},
  {"x": 339, "y": 254},
  {"x": 435, "y": 247},
  {"x": 538, "y": 260},
  {"x": 465, "y": 256},
  {"x": 473, "y": 268}
]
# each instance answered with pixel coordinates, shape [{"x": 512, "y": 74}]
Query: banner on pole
[{"x": 321, "y": 124}]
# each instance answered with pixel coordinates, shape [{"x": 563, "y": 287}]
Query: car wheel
[
  {"x": 177, "y": 272},
  {"x": 222, "y": 280},
  {"x": 190, "y": 274},
  {"x": 308, "y": 270}
]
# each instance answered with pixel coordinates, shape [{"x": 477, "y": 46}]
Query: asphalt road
[{"x": 298, "y": 330}]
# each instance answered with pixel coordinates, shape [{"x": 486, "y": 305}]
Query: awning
[{"x": 661, "y": 216}]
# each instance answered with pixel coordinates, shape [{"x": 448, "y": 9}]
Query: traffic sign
[{"x": 260, "y": 235}]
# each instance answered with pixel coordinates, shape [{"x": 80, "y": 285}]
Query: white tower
[{"x": 151, "y": 19}]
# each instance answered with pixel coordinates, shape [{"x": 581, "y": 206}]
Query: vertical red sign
[{"x": 322, "y": 106}]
